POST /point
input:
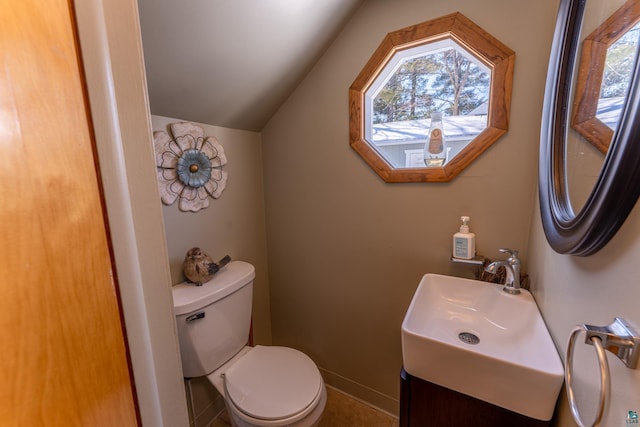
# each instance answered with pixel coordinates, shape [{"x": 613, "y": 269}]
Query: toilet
[{"x": 261, "y": 385}]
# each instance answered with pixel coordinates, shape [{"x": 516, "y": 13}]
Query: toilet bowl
[
  {"x": 262, "y": 386},
  {"x": 271, "y": 386}
]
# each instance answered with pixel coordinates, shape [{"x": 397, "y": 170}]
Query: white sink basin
[{"x": 515, "y": 364}]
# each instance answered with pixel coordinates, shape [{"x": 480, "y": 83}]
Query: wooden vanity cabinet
[{"x": 424, "y": 404}]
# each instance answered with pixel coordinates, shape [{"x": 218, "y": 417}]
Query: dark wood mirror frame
[
  {"x": 488, "y": 49},
  {"x": 591, "y": 72},
  {"x": 618, "y": 185}
]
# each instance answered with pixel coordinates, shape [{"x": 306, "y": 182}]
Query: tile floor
[{"x": 342, "y": 411}]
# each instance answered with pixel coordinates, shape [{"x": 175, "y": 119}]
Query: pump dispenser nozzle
[{"x": 464, "y": 228}]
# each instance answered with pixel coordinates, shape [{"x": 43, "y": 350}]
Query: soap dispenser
[{"x": 464, "y": 242}]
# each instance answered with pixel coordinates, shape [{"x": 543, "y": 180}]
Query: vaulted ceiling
[{"x": 232, "y": 63}]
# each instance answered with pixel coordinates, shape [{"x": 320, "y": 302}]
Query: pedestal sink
[{"x": 472, "y": 337}]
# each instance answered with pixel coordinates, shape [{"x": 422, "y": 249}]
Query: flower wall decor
[{"x": 189, "y": 166}]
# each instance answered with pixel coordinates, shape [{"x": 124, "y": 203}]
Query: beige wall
[
  {"x": 233, "y": 224},
  {"x": 594, "y": 290},
  {"x": 347, "y": 250}
]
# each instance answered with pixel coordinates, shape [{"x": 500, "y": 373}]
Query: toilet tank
[{"x": 214, "y": 319}]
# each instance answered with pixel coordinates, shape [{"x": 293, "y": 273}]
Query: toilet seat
[{"x": 277, "y": 385}]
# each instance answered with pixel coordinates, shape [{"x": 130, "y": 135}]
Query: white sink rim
[{"x": 522, "y": 374}]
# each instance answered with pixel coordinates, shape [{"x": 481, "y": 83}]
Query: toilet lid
[{"x": 273, "y": 382}]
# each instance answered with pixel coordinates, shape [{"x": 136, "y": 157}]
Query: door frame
[{"x": 111, "y": 46}]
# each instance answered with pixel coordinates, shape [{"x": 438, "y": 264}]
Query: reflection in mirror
[
  {"x": 618, "y": 66},
  {"x": 606, "y": 61},
  {"x": 604, "y": 71},
  {"x": 430, "y": 100},
  {"x": 585, "y": 196},
  {"x": 428, "y": 103}
]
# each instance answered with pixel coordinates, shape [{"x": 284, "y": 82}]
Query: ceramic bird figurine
[{"x": 199, "y": 268}]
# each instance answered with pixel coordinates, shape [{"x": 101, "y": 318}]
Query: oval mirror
[
  {"x": 430, "y": 100},
  {"x": 582, "y": 227}
]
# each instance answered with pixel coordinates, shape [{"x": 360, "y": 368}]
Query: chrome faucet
[{"x": 512, "y": 268}]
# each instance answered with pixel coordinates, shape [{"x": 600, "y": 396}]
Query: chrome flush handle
[{"x": 197, "y": 316}]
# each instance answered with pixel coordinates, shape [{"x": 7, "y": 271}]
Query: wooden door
[{"x": 63, "y": 355}]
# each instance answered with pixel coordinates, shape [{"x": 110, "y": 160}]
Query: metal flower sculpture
[{"x": 189, "y": 166}]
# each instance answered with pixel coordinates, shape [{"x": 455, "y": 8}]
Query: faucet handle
[
  {"x": 514, "y": 270},
  {"x": 512, "y": 252}
]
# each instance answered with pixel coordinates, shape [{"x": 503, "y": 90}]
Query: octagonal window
[
  {"x": 440, "y": 80},
  {"x": 431, "y": 99}
]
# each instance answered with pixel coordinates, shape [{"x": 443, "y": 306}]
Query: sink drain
[{"x": 468, "y": 338}]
